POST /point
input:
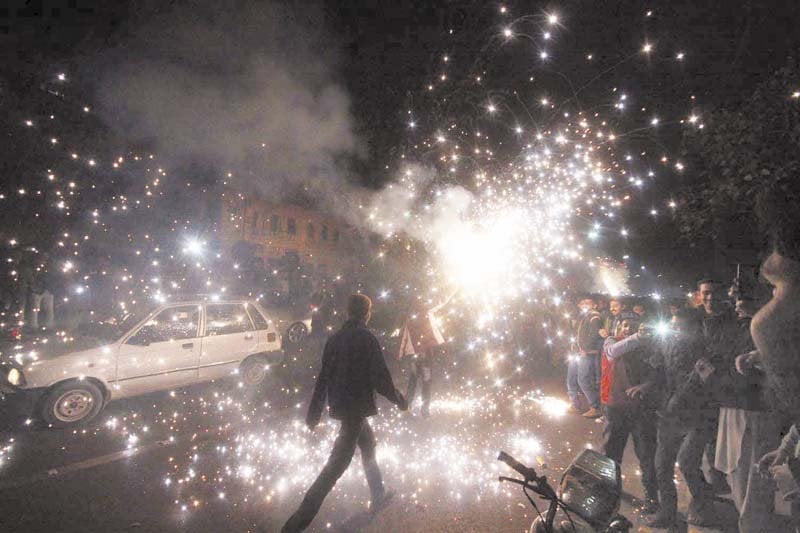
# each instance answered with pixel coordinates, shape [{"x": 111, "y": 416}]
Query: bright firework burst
[
  {"x": 504, "y": 221},
  {"x": 522, "y": 198}
]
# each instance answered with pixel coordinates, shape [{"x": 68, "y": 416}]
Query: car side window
[
  {"x": 224, "y": 319},
  {"x": 175, "y": 323},
  {"x": 258, "y": 318}
]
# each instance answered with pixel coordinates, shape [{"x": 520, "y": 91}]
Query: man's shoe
[
  {"x": 705, "y": 517},
  {"x": 382, "y": 502},
  {"x": 660, "y": 520},
  {"x": 592, "y": 413},
  {"x": 572, "y": 410}
]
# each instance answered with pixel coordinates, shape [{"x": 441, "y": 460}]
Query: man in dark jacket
[
  {"x": 687, "y": 421},
  {"x": 353, "y": 369},
  {"x": 722, "y": 336},
  {"x": 322, "y": 316},
  {"x": 749, "y": 427},
  {"x": 627, "y": 392},
  {"x": 583, "y": 372}
]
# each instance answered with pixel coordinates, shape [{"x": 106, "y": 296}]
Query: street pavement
[{"x": 220, "y": 458}]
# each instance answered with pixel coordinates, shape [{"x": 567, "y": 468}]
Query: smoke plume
[{"x": 241, "y": 86}]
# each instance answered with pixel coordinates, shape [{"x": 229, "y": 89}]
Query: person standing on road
[
  {"x": 420, "y": 339},
  {"x": 687, "y": 421},
  {"x": 41, "y": 296},
  {"x": 723, "y": 337},
  {"x": 420, "y": 361},
  {"x": 353, "y": 369},
  {"x": 749, "y": 427},
  {"x": 627, "y": 392},
  {"x": 322, "y": 317},
  {"x": 583, "y": 374}
]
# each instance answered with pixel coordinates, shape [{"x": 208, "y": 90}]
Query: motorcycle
[{"x": 587, "y": 499}]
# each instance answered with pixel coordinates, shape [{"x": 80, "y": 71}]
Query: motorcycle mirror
[{"x": 619, "y": 525}]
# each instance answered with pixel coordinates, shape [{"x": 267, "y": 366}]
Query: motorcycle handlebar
[{"x": 527, "y": 472}]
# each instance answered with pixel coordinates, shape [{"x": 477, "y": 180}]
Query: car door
[
  {"x": 265, "y": 328},
  {"x": 229, "y": 337},
  {"x": 161, "y": 353}
]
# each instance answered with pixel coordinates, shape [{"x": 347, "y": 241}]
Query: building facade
[{"x": 320, "y": 245}]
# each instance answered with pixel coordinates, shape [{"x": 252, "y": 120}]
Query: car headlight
[{"x": 15, "y": 377}]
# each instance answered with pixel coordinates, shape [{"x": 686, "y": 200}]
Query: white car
[
  {"x": 294, "y": 321},
  {"x": 298, "y": 330},
  {"x": 176, "y": 345}
]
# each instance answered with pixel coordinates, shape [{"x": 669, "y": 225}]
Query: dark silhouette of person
[
  {"x": 353, "y": 370},
  {"x": 322, "y": 318}
]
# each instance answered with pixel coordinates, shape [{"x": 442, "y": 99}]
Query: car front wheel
[{"x": 71, "y": 403}]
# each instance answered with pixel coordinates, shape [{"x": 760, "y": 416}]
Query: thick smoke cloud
[
  {"x": 407, "y": 205},
  {"x": 243, "y": 86},
  {"x": 251, "y": 88}
]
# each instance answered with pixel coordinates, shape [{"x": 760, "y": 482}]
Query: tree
[{"x": 742, "y": 150}]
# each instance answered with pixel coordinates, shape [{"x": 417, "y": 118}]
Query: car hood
[
  {"x": 56, "y": 347},
  {"x": 43, "y": 371}
]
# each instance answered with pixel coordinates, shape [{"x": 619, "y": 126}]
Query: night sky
[
  {"x": 506, "y": 159},
  {"x": 379, "y": 57},
  {"x": 393, "y": 48},
  {"x": 386, "y": 51}
]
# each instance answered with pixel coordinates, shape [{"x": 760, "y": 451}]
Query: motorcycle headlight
[{"x": 15, "y": 377}]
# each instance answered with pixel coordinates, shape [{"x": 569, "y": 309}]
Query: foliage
[{"x": 741, "y": 151}]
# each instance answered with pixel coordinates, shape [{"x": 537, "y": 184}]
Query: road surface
[{"x": 220, "y": 458}]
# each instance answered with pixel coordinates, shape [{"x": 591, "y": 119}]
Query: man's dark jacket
[
  {"x": 723, "y": 336},
  {"x": 684, "y": 394},
  {"x": 353, "y": 369},
  {"x": 732, "y": 388}
]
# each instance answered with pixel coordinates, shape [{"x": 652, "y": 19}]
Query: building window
[
  {"x": 324, "y": 233},
  {"x": 291, "y": 227},
  {"x": 265, "y": 223},
  {"x": 310, "y": 232},
  {"x": 336, "y": 235},
  {"x": 275, "y": 224},
  {"x": 254, "y": 226}
]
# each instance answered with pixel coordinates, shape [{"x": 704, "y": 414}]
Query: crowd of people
[
  {"x": 29, "y": 295},
  {"x": 714, "y": 389},
  {"x": 711, "y": 384},
  {"x": 708, "y": 384},
  {"x": 688, "y": 386}
]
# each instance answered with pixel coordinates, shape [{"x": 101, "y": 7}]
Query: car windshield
[
  {"x": 129, "y": 320},
  {"x": 115, "y": 326}
]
